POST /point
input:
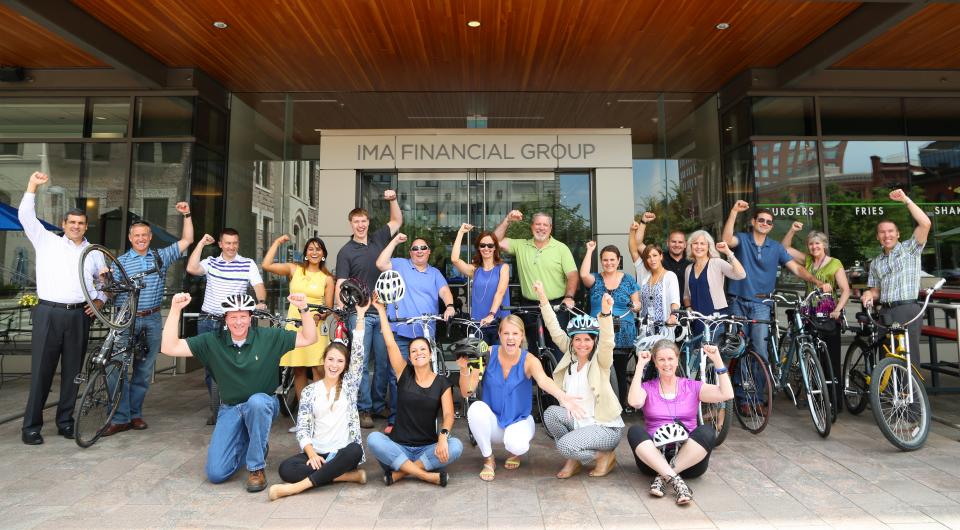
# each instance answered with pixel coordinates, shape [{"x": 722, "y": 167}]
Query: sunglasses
[
  {"x": 486, "y": 245},
  {"x": 764, "y": 221},
  {"x": 417, "y": 248}
]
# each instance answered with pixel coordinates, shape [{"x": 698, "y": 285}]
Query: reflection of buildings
[
  {"x": 293, "y": 182},
  {"x": 788, "y": 172},
  {"x": 938, "y": 171}
]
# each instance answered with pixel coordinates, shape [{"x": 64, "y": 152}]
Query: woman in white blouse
[{"x": 328, "y": 425}]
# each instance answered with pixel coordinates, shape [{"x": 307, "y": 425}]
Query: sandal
[
  {"x": 656, "y": 487},
  {"x": 488, "y": 473},
  {"x": 512, "y": 463},
  {"x": 684, "y": 495}
]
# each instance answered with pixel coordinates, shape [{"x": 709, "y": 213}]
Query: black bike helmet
[
  {"x": 732, "y": 344},
  {"x": 471, "y": 348},
  {"x": 354, "y": 292}
]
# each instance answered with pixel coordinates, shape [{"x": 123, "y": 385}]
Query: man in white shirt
[{"x": 61, "y": 320}]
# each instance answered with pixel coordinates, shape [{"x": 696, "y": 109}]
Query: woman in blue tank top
[
  {"x": 491, "y": 277},
  {"x": 503, "y": 414}
]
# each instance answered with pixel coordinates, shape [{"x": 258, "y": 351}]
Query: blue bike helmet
[{"x": 583, "y": 324}]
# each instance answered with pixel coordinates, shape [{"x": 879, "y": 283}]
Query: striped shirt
[
  {"x": 133, "y": 263},
  {"x": 897, "y": 274},
  {"x": 225, "y": 278}
]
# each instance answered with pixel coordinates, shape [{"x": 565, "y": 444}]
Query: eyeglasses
[
  {"x": 486, "y": 245},
  {"x": 764, "y": 221},
  {"x": 418, "y": 248}
]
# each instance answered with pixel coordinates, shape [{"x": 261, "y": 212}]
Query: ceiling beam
[
  {"x": 861, "y": 26},
  {"x": 82, "y": 30}
]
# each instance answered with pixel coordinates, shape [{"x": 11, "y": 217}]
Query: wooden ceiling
[
  {"x": 24, "y": 43},
  {"x": 929, "y": 40},
  {"x": 425, "y": 45}
]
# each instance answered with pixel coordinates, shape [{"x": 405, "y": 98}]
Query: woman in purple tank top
[{"x": 671, "y": 400}]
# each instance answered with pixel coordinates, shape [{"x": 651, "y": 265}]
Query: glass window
[
  {"x": 736, "y": 124},
  {"x": 110, "y": 117},
  {"x": 787, "y": 116},
  {"x": 793, "y": 192},
  {"x": 932, "y": 116},
  {"x": 935, "y": 172},
  {"x": 103, "y": 193},
  {"x": 211, "y": 126},
  {"x": 858, "y": 178},
  {"x": 160, "y": 117},
  {"x": 41, "y": 117},
  {"x": 861, "y": 116}
]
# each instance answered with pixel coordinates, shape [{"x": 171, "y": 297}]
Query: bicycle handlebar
[{"x": 926, "y": 302}]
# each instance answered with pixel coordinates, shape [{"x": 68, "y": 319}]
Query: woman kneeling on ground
[
  {"x": 328, "y": 425},
  {"x": 414, "y": 447},
  {"x": 584, "y": 371},
  {"x": 669, "y": 401},
  {"x": 503, "y": 414}
]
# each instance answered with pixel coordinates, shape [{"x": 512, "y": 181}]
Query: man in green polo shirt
[
  {"x": 244, "y": 361},
  {"x": 541, "y": 259}
]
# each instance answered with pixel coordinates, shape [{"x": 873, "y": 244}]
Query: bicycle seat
[{"x": 863, "y": 318}]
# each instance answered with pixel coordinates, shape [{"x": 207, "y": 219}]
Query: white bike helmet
[
  {"x": 646, "y": 343},
  {"x": 239, "y": 302},
  {"x": 669, "y": 433},
  {"x": 583, "y": 324},
  {"x": 390, "y": 287}
]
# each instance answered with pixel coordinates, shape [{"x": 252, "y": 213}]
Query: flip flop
[
  {"x": 512, "y": 463},
  {"x": 487, "y": 474}
]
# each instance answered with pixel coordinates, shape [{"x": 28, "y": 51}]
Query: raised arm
[
  {"x": 396, "y": 215},
  {"x": 186, "y": 234},
  {"x": 728, "y": 236},
  {"x": 638, "y": 231},
  {"x": 606, "y": 340},
  {"x": 465, "y": 268},
  {"x": 585, "y": 275},
  {"x": 501, "y": 230},
  {"x": 383, "y": 260},
  {"x": 787, "y": 242},
  {"x": 922, "y": 230},
  {"x": 280, "y": 269},
  {"x": 170, "y": 342},
  {"x": 193, "y": 262},
  {"x": 393, "y": 350},
  {"x": 550, "y": 321},
  {"x": 732, "y": 268},
  {"x": 308, "y": 326},
  {"x": 27, "y": 213},
  {"x": 723, "y": 390},
  {"x": 637, "y": 396}
]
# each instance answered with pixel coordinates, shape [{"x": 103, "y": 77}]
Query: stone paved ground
[{"x": 785, "y": 477}]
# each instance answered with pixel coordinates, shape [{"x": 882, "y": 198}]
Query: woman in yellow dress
[{"x": 311, "y": 278}]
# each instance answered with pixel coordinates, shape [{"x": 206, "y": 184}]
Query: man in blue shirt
[
  {"x": 760, "y": 256},
  {"x": 424, "y": 286},
  {"x": 141, "y": 258}
]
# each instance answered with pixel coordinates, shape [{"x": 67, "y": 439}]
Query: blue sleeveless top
[
  {"x": 510, "y": 399},
  {"x": 484, "y": 289}
]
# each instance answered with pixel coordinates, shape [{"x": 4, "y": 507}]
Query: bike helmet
[
  {"x": 390, "y": 287},
  {"x": 471, "y": 348},
  {"x": 669, "y": 433},
  {"x": 732, "y": 344},
  {"x": 353, "y": 292},
  {"x": 646, "y": 343},
  {"x": 583, "y": 324},
  {"x": 239, "y": 302}
]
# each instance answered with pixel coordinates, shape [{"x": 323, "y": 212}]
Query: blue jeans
[
  {"x": 392, "y": 455},
  {"x": 758, "y": 338},
  {"x": 242, "y": 433},
  {"x": 134, "y": 391},
  {"x": 404, "y": 344},
  {"x": 375, "y": 351}
]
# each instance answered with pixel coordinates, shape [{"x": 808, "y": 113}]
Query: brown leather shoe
[
  {"x": 138, "y": 424},
  {"x": 257, "y": 481},
  {"x": 114, "y": 428}
]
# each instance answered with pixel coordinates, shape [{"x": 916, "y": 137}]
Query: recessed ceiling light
[
  {"x": 220, "y": 24},
  {"x": 473, "y": 23},
  {"x": 722, "y": 26}
]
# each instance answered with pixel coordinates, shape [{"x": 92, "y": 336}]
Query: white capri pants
[{"x": 483, "y": 424}]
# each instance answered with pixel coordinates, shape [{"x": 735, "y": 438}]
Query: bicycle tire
[
  {"x": 815, "y": 387},
  {"x": 98, "y": 403},
  {"x": 111, "y": 315},
  {"x": 856, "y": 376},
  {"x": 754, "y": 406},
  {"x": 889, "y": 384},
  {"x": 831, "y": 378},
  {"x": 543, "y": 400},
  {"x": 713, "y": 411}
]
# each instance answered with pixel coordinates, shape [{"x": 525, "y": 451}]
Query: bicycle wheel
[
  {"x": 719, "y": 415},
  {"x": 753, "y": 391},
  {"x": 856, "y": 376},
  {"x": 543, "y": 400},
  {"x": 833, "y": 385},
  {"x": 815, "y": 386},
  {"x": 98, "y": 403},
  {"x": 105, "y": 275},
  {"x": 903, "y": 416}
]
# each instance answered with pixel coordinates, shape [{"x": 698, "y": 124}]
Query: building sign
[{"x": 490, "y": 149}]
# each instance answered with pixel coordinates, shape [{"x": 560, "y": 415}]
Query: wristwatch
[
  {"x": 186, "y": 215},
  {"x": 445, "y": 432}
]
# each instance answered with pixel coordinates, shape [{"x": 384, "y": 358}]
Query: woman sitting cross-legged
[
  {"x": 328, "y": 426},
  {"x": 584, "y": 371},
  {"x": 670, "y": 404},
  {"x": 503, "y": 414},
  {"x": 414, "y": 447}
]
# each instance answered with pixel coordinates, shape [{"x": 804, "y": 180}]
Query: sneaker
[
  {"x": 366, "y": 422},
  {"x": 257, "y": 481},
  {"x": 292, "y": 429},
  {"x": 684, "y": 495},
  {"x": 656, "y": 487}
]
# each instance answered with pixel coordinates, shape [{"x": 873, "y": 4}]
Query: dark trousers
[
  {"x": 621, "y": 358},
  {"x": 704, "y": 435},
  {"x": 295, "y": 468},
  {"x": 530, "y": 327},
  {"x": 903, "y": 313},
  {"x": 59, "y": 335}
]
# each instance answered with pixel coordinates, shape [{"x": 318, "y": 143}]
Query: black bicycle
[{"x": 106, "y": 369}]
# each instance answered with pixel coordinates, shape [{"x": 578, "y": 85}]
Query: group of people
[{"x": 241, "y": 359}]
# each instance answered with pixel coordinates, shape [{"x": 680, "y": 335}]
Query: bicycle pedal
[{"x": 79, "y": 380}]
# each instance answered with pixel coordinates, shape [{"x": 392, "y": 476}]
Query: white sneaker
[{"x": 292, "y": 429}]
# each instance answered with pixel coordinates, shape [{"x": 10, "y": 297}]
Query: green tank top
[{"x": 827, "y": 273}]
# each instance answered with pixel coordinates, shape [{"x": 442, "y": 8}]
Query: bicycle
[
  {"x": 899, "y": 403},
  {"x": 477, "y": 353},
  {"x": 103, "y": 375},
  {"x": 546, "y": 355},
  {"x": 437, "y": 361}
]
